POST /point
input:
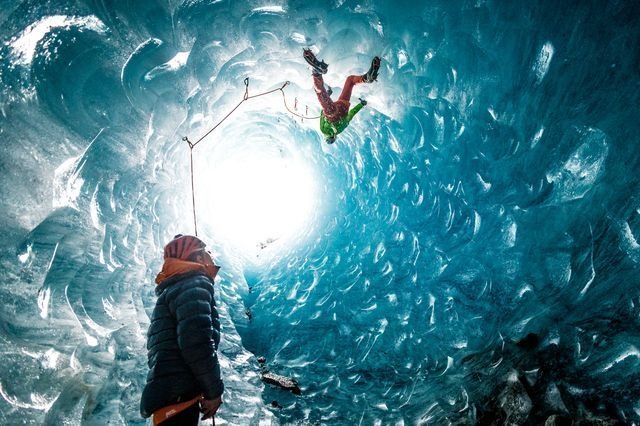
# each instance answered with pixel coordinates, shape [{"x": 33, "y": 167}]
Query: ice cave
[{"x": 466, "y": 252}]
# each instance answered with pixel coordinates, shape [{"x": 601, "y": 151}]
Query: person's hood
[{"x": 174, "y": 269}]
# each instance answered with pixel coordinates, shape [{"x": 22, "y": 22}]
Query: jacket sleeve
[
  {"x": 354, "y": 111},
  {"x": 198, "y": 332}
]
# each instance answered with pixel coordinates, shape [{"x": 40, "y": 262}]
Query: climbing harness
[{"x": 246, "y": 97}]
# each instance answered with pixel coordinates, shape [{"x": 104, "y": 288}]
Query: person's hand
[
  {"x": 362, "y": 101},
  {"x": 209, "y": 407}
]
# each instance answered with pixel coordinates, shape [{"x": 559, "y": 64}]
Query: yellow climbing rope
[{"x": 246, "y": 97}]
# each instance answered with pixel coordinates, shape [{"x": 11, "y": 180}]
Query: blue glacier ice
[{"x": 467, "y": 252}]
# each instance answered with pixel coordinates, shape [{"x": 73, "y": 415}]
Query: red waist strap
[{"x": 164, "y": 413}]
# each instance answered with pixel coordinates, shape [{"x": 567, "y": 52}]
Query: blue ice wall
[{"x": 472, "y": 254}]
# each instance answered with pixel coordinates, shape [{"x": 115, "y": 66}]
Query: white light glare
[{"x": 255, "y": 198}]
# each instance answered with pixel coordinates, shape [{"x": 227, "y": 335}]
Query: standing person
[
  {"x": 335, "y": 116},
  {"x": 184, "y": 373}
]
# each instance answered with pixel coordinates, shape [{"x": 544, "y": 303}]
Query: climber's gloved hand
[{"x": 362, "y": 101}]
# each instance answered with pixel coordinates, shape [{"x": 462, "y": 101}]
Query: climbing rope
[
  {"x": 284, "y": 100},
  {"x": 245, "y": 98}
]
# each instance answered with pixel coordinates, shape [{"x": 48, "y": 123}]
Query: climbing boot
[
  {"x": 372, "y": 74},
  {"x": 317, "y": 67}
]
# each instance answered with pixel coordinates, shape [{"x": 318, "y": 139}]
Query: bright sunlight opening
[{"x": 257, "y": 197}]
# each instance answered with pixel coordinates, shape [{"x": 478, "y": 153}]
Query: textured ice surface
[{"x": 467, "y": 252}]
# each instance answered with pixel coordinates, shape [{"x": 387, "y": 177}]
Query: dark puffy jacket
[{"x": 182, "y": 341}]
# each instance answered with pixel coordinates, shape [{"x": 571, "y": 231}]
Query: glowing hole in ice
[{"x": 256, "y": 196}]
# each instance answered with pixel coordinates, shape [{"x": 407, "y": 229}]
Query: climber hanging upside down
[{"x": 335, "y": 116}]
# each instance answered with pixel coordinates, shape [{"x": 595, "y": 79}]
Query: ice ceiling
[{"x": 466, "y": 252}]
